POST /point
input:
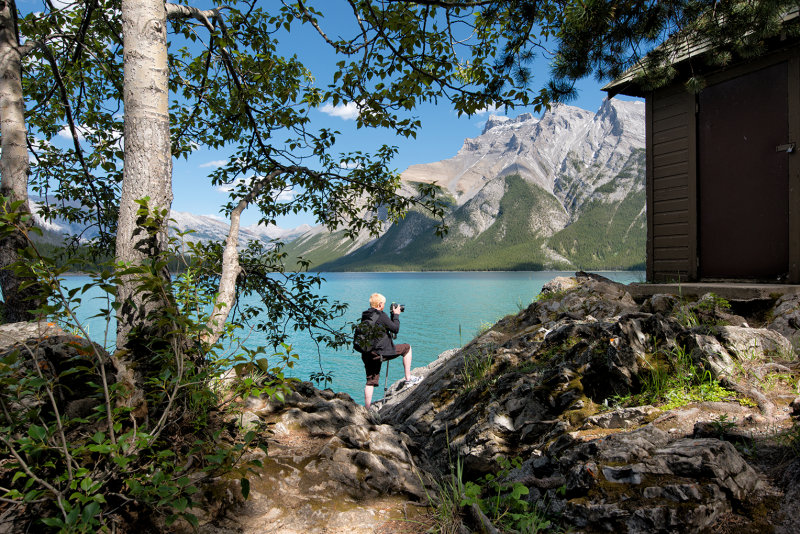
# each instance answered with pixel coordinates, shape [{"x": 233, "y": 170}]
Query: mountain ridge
[
  {"x": 561, "y": 191},
  {"x": 519, "y": 193},
  {"x": 202, "y": 227}
]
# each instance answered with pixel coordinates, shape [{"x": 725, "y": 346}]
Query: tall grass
[
  {"x": 680, "y": 383},
  {"x": 476, "y": 367}
]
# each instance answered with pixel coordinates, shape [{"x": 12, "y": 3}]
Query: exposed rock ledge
[
  {"x": 552, "y": 393},
  {"x": 555, "y": 369}
]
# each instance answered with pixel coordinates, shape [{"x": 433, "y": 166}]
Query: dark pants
[{"x": 372, "y": 362}]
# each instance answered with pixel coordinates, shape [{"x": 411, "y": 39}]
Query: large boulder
[
  {"x": 590, "y": 296},
  {"x": 343, "y": 445},
  {"x": 786, "y": 318},
  {"x": 70, "y": 364},
  {"x": 643, "y": 482}
]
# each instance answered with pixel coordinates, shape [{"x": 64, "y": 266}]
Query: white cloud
[
  {"x": 215, "y": 163},
  {"x": 491, "y": 108},
  {"x": 227, "y": 188},
  {"x": 347, "y": 111},
  {"x": 349, "y": 165},
  {"x": 286, "y": 195},
  {"x": 283, "y": 195},
  {"x": 82, "y": 131}
]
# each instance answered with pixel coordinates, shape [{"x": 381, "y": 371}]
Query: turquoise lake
[{"x": 444, "y": 310}]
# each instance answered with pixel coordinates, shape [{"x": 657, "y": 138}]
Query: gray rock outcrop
[
  {"x": 786, "y": 318},
  {"x": 554, "y": 372}
]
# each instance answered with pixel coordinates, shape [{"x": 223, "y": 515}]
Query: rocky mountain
[
  {"x": 204, "y": 227},
  {"x": 560, "y": 191},
  {"x": 208, "y": 228}
]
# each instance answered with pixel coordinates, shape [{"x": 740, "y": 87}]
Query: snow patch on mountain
[{"x": 202, "y": 228}]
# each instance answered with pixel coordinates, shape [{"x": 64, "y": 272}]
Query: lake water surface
[{"x": 444, "y": 310}]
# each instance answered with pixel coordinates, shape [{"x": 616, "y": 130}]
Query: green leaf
[
  {"x": 518, "y": 491},
  {"x": 91, "y": 510},
  {"x": 72, "y": 516},
  {"x": 192, "y": 519},
  {"x": 180, "y": 504},
  {"x": 245, "y": 487},
  {"x": 55, "y": 522},
  {"x": 86, "y": 484},
  {"x": 37, "y": 432}
]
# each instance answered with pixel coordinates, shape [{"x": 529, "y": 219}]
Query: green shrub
[
  {"x": 504, "y": 503},
  {"x": 476, "y": 366},
  {"x": 78, "y": 471}
]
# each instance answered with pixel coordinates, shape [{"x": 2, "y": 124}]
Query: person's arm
[{"x": 392, "y": 324}]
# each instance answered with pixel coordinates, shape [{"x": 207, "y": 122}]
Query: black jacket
[{"x": 385, "y": 345}]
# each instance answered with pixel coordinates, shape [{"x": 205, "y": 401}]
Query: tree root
[
  {"x": 764, "y": 404},
  {"x": 481, "y": 519},
  {"x": 762, "y": 370}
]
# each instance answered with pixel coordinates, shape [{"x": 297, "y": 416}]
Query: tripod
[{"x": 386, "y": 381}]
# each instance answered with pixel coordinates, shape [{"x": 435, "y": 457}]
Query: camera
[{"x": 401, "y": 306}]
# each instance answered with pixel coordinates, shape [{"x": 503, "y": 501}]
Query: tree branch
[
  {"x": 230, "y": 264},
  {"x": 308, "y": 17},
  {"x": 42, "y": 482},
  {"x": 179, "y": 11},
  {"x": 74, "y": 133}
]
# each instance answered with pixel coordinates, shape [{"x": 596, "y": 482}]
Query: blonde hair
[{"x": 376, "y": 299}]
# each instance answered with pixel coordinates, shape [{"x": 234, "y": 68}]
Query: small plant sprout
[{"x": 722, "y": 425}]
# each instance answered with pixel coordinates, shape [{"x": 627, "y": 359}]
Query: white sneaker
[{"x": 413, "y": 380}]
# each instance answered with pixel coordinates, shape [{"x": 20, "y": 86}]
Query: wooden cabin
[{"x": 723, "y": 170}]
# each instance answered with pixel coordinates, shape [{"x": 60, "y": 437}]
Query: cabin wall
[
  {"x": 672, "y": 195},
  {"x": 671, "y": 173}
]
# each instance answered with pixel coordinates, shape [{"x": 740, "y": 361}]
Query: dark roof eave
[
  {"x": 624, "y": 87},
  {"x": 681, "y": 50}
]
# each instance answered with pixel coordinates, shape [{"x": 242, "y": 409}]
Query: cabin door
[{"x": 743, "y": 177}]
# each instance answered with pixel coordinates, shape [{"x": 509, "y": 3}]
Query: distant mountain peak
[
  {"x": 563, "y": 190},
  {"x": 537, "y": 148},
  {"x": 203, "y": 228},
  {"x": 495, "y": 121}
]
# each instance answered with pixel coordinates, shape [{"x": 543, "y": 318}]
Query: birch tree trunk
[
  {"x": 226, "y": 296},
  {"x": 14, "y": 164},
  {"x": 148, "y": 159}
]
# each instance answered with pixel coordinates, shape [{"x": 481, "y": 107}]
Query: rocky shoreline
[
  {"x": 607, "y": 415},
  {"x": 555, "y": 386}
]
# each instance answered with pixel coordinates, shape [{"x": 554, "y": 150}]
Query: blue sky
[{"x": 441, "y": 136}]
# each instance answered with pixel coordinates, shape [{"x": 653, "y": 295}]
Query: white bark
[
  {"x": 230, "y": 266},
  {"x": 148, "y": 158},
  {"x": 227, "y": 283},
  {"x": 14, "y": 163},
  {"x": 148, "y": 164}
]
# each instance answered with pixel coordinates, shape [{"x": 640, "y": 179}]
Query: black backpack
[{"x": 366, "y": 335}]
